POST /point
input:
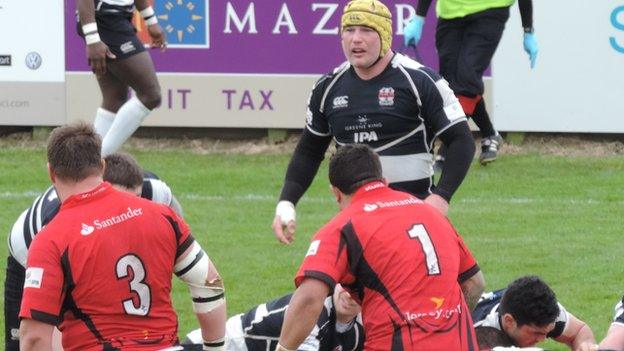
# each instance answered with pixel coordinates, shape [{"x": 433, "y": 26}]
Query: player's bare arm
[
  {"x": 97, "y": 51},
  {"x": 614, "y": 340},
  {"x": 578, "y": 335},
  {"x": 35, "y": 335},
  {"x": 207, "y": 291},
  {"x": 472, "y": 288},
  {"x": 159, "y": 39},
  {"x": 302, "y": 314}
]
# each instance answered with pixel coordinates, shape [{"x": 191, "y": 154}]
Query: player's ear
[
  {"x": 337, "y": 193},
  {"x": 509, "y": 321},
  {"x": 385, "y": 181}
]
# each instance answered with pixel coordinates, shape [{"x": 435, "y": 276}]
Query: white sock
[
  {"x": 127, "y": 120},
  {"x": 103, "y": 121}
]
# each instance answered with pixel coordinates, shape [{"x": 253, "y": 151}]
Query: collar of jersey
[
  {"x": 88, "y": 196},
  {"x": 367, "y": 188}
]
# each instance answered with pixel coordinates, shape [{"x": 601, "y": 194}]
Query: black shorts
[{"x": 118, "y": 33}]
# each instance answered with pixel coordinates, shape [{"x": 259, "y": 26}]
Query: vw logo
[{"x": 33, "y": 60}]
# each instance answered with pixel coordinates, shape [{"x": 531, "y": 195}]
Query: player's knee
[{"x": 151, "y": 99}]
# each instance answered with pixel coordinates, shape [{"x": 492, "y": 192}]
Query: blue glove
[
  {"x": 413, "y": 31},
  {"x": 530, "y": 46}
]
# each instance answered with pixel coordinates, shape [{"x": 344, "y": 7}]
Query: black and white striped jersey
[
  {"x": 486, "y": 313},
  {"x": 398, "y": 113},
  {"x": 619, "y": 312},
  {"x": 47, "y": 205},
  {"x": 262, "y": 326}
]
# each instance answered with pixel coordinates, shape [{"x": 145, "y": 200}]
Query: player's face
[
  {"x": 529, "y": 334},
  {"x": 361, "y": 46}
]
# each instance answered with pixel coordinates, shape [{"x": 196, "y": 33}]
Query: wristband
[
  {"x": 92, "y": 38},
  {"x": 149, "y": 16},
  {"x": 214, "y": 345},
  {"x": 89, "y": 28},
  {"x": 286, "y": 211},
  {"x": 279, "y": 347}
]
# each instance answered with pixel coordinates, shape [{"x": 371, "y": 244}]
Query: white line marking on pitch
[{"x": 329, "y": 199}]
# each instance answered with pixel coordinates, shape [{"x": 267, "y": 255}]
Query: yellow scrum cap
[{"x": 373, "y": 14}]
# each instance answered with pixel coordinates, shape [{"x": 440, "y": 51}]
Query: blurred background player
[
  {"x": 337, "y": 327},
  {"x": 123, "y": 172},
  {"x": 467, "y": 35},
  {"x": 119, "y": 61},
  {"x": 614, "y": 340},
  {"x": 385, "y": 100},
  {"x": 397, "y": 255},
  {"x": 527, "y": 312}
]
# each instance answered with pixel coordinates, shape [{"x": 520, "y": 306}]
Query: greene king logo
[{"x": 86, "y": 229}]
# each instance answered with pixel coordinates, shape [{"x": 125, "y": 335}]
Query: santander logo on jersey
[
  {"x": 130, "y": 213},
  {"x": 86, "y": 229}
]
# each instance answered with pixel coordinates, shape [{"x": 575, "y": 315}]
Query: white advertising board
[
  {"x": 578, "y": 82},
  {"x": 32, "y": 62}
]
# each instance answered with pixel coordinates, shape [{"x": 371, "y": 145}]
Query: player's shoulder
[
  {"x": 415, "y": 69},
  {"x": 156, "y": 190},
  {"x": 326, "y": 80}
]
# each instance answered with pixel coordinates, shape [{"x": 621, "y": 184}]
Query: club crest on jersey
[
  {"x": 386, "y": 96},
  {"x": 341, "y": 102}
]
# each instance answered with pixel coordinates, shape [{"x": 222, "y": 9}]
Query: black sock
[{"x": 482, "y": 120}]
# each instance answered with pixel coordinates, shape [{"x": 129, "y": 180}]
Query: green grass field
[{"x": 557, "y": 217}]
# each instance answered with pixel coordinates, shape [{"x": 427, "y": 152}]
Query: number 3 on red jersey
[{"x": 137, "y": 284}]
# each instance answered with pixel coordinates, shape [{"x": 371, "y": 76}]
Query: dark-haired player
[
  {"x": 527, "y": 312},
  {"x": 397, "y": 255}
]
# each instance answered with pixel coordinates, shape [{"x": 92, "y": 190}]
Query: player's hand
[
  {"x": 284, "y": 222},
  {"x": 413, "y": 31},
  {"x": 97, "y": 53},
  {"x": 530, "y": 46},
  {"x": 438, "y": 202},
  {"x": 159, "y": 40}
]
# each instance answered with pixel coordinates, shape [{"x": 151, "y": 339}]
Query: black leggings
[
  {"x": 13, "y": 290},
  {"x": 466, "y": 46}
]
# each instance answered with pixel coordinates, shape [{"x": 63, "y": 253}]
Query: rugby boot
[{"x": 489, "y": 148}]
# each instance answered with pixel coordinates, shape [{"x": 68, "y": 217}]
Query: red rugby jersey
[
  {"x": 102, "y": 269},
  {"x": 404, "y": 261}
]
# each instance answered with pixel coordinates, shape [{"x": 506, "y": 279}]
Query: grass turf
[{"x": 557, "y": 217}]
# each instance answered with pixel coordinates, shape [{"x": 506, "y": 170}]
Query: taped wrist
[
  {"x": 149, "y": 16},
  {"x": 286, "y": 211},
  {"x": 90, "y": 32},
  {"x": 194, "y": 270}
]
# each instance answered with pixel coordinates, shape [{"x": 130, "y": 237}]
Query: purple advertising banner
[{"x": 247, "y": 37}]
